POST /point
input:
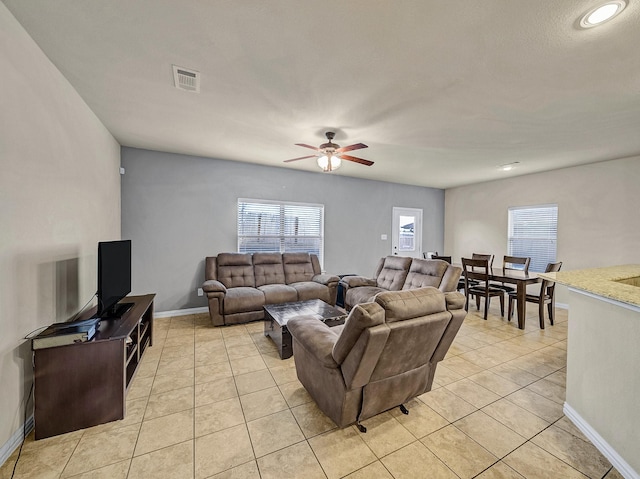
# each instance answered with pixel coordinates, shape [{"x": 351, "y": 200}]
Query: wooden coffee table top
[{"x": 316, "y": 308}]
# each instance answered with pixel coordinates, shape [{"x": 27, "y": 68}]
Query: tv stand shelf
[{"x": 85, "y": 384}]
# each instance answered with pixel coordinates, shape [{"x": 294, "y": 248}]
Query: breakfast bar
[{"x": 603, "y": 359}]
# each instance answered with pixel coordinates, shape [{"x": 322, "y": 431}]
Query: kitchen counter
[
  {"x": 618, "y": 283},
  {"x": 603, "y": 385}
]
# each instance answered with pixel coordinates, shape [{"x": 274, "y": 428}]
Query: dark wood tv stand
[{"x": 85, "y": 384}]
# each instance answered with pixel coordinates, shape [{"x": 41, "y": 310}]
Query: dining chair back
[
  {"x": 513, "y": 263},
  {"x": 476, "y": 283},
  {"x": 488, "y": 257},
  {"x": 545, "y": 297}
]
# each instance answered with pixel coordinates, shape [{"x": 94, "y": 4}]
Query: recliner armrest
[
  {"x": 325, "y": 279},
  {"x": 213, "y": 286},
  {"x": 455, "y": 300},
  {"x": 355, "y": 281},
  {"x": 316, "y": 337}
]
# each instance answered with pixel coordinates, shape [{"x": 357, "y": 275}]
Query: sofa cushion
[
  {"x": 424, "y": 272},
  {"x": 411, "y": 303},
  {"x": 393, "y": 273},
  {"x": 297, "y": 267},
  {"x": 311, "y": 290},
  {"x": 235, "y": 270},
  {"x": 243, "y": 299},
  {"x": 268, "y": 268},
  {"x": 278, "y": 293}
]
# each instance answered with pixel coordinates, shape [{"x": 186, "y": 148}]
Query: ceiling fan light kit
[
  {"x": 329, "y": 162},
  {"x": 330, "y": 155}
]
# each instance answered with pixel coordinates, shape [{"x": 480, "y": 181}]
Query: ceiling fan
[{"x": 330, "y": 154}]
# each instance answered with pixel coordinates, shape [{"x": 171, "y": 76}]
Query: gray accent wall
[{"x": 178, "y": 209}]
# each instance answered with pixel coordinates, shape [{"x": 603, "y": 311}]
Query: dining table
[{"x": 521, "y": 280}]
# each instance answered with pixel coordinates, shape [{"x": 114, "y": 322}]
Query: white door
[{"x": 406, "y": 232}]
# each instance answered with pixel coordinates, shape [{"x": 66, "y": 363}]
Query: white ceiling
[{"x": 443, "y": 92}]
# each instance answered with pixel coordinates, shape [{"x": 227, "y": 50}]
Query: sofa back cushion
[
  {"x": 393, "y": 273},
  {"x": 268, "y": 268},
  {"x": 297, "y": 267},
  {"x": 235, "y": 270},
  {"x": 416, "y": 320},
  {"x": 413, "y": 303},
  {"x": 425, "y": 272}
]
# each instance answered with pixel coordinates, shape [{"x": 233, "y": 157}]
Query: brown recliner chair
[{"x": 384, "y": 355}]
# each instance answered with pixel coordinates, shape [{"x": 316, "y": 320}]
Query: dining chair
[
  {"x": 477, "y": 270},
  {"x": 513, "y": 263},
  {"x": 546, "y": 296},
  {"x": 488, "y": 257}
]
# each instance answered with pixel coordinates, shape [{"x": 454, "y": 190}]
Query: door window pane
[{"x": 407, "y": 237}]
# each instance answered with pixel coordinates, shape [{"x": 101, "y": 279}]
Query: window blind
[
  {"x": 268, "y": 226},
  {"x": 533, "y": 233}
]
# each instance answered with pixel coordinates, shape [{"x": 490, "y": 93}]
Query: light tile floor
[{"x": 219, "y": 403}]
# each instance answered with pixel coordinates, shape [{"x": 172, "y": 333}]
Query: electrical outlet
[
  {"x": 383, "y": 237},
  {"x": 200, "y": 292}
]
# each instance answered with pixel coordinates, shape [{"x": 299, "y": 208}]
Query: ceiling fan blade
[
  {"x": 357, "y": 146},
  {"x": 356, "y": 160},
  {"x": 308, "y": 146},
  {"x": 301, "y": 158}
]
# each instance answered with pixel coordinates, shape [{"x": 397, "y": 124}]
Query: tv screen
[{"x": 114, "y": 276}]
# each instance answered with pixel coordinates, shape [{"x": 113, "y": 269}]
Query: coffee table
[{"x": 277, "y": 315}]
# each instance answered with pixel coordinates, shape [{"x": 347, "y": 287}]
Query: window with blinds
[
  {"x": 533, "y": 232},
  {"x": 268, "y": 226}
]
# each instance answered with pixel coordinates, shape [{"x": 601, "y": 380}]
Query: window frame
[
  {"x": 535, "y": 237},
  {"x": 282, "y": 236}
]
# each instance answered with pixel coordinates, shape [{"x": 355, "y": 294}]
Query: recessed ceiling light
[
  {"x": 509, "y": 166},
  {"x": 601, "y": 14}
]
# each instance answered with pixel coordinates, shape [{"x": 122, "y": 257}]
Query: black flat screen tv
[{"x": 114, "y": 277}]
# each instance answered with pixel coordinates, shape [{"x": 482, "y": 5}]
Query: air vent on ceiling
[{"x": 187, "y": 80}]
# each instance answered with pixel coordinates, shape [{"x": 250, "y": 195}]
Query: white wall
[
  {"x": 59, "y": 195},
  {"x": 598, "y": 217}
]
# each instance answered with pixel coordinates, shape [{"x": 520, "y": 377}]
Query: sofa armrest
[
  {"x": 450, "y": 279},
  {"x": 355, "y": 281},
  {"x": 213, "y": 286},
  {"x": 455, "y": 300},
  {"x": 325, "y": 279},
  {"x": 315, "y": 337}
]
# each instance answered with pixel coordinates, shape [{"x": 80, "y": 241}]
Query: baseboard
[
  {"x": 562, "y": 306},
  {"x": 180, "y": 312},
  {"x": 603, "y": 446},
  {"x": 14, "y": 441}
]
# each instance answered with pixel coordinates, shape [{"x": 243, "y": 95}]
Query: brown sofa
[
  {"x": 396, "y": 273},
  {"x": 238, "y": 285},
  {"x": 385, "y": 354}
]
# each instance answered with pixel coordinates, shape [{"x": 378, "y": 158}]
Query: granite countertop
[{"x": 604, "y": 282}]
